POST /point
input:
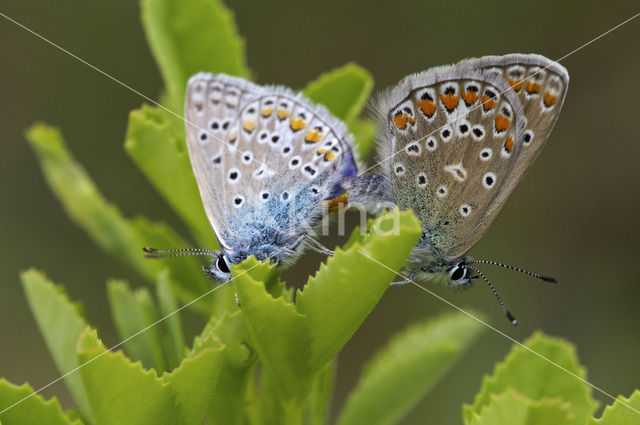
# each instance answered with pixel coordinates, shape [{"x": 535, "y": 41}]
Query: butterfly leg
[{"x": 317, "y": 246}]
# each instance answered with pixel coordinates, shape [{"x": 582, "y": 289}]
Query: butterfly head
[
  {"x": 220, "y": 268},
  {"x": 459, "y": 275}
]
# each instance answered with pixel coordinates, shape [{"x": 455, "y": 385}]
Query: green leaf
[
  {"x": 123, "y": 392},
  {"x": 189, "y": 36},
  {"x": 276, "y": 330},
  {"x": 344, "y": 91},
  {"x": 174, "y": 341},
  {"x": 193, "y": 384},
  {"x": 60, "y": 322},
  {"x": 536, "y": 378},
  {"x": 118, "y": 236},
  {"x": 320, "y": 397},
  {"x": 346, "y": 289},
  {"x": 295, "y": 342},
  {"x": 229, "y": 406},
  {"x": 512, "y": 408},
  {"x": 133, "y": 312},
  {"x": 365, "y": 134},
  {"x": 26, "y": 408},
  {"x": 407, "y": 368},
  {"x": 162, "y": 157},
  {"x": 625, "y": 411}
]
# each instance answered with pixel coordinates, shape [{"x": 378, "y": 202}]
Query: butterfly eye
[
  {"x": 222, "y": 265},
  {"x": 458, "y": 272}
]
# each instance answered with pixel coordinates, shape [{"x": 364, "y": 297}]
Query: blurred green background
[{"x": 573, "y": 217}]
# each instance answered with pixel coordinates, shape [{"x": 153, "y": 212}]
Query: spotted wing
[
  {"x": 453, "y": 135},
  {"x": 541, "y": 86},
  {"x": 212, "y": 103},
  {"x": 284, "y": 157},
  {"x": 461, "y": 132}
]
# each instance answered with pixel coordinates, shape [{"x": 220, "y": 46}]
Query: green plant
[{"x": 272, "y": 361}]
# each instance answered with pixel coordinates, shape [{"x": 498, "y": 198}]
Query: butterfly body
[
  {"x": 265, "y": 159},
  {"x": 456, "y": 141}
]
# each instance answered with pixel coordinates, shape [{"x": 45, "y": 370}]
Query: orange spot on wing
[
  {"x": 502, "y": 123},
  {"x": 450, "y": 101},
  {"x": 488, "y": 103},
  {"x": 469, "y": 97},
  {"x": 313, "y": 136},
  {"x": 297, "y": 124},
  {"x": 232, "y": 137},
  {"x": 401, "y": 121},
  {"x": 549, "y": 99},
  {"x": 516, "y": 85},
  {"x": 427, "y": 107},
  {"x": 533, "y": 87},
  {"x": 508, "y": 144},
  {"x": 283, "y": 113},
  {"x": 266, "y": 112},
  {"x": 249, "y": 125},
  {"x": 335, "y": 203},
  {"x": 329, "y": 156},
  {"x": 321, "y": 151}
]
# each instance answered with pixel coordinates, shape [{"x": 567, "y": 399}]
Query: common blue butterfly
[
  {"x": 265, "y": 159},
  {"x": 456, "y": 141}
]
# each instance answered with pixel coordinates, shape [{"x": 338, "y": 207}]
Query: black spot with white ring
[
  {"x": 432, "y": 144},
  {"x": 203, "y": 137},
  {"x": 233, "y": 176},
  {"x": 485, "y": 154},
  {"x": 214, "y": 124},
  {"x": 489, "y": 180},
  {"x": 238, "y": 201},
  {"x": 421, "y": 180},
  {"x": 528, "y": 137},
  {"x": 413, "y": 149},
  {"x": 247, "y": 157},
  {"x": 309, "y": 170},
  {"x": 478, "y": 132},
  {"x": 295, "y": 162},
  {"x": 445, "y": 134}
]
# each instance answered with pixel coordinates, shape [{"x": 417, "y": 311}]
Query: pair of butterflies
[{"x": 455, "y": 141}]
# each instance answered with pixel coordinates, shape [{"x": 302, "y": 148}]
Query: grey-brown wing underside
[
  {"x": 461, "y": 141},
  {"x": 212, "y": 103}
]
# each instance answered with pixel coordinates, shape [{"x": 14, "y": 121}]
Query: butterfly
[
  {"x": 265, "y": 160},
  {"x": 456, "y": 141}
]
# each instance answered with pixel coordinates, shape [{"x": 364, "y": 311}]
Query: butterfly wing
[
  {"x": 265, "y": 159},
  {"x": 541, "y": 85},
  {"x": 453, "y": 136},
  {"x": 290, "y": 156},
  {"x": 212, "y": 103},
  {"x": 457, "y": 134}
]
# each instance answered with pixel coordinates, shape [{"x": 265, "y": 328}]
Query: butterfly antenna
[
  {"x": 536, "y": 275},
  {"x": 182, "y": 252},
  {"x": 510, "y": 316}
]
